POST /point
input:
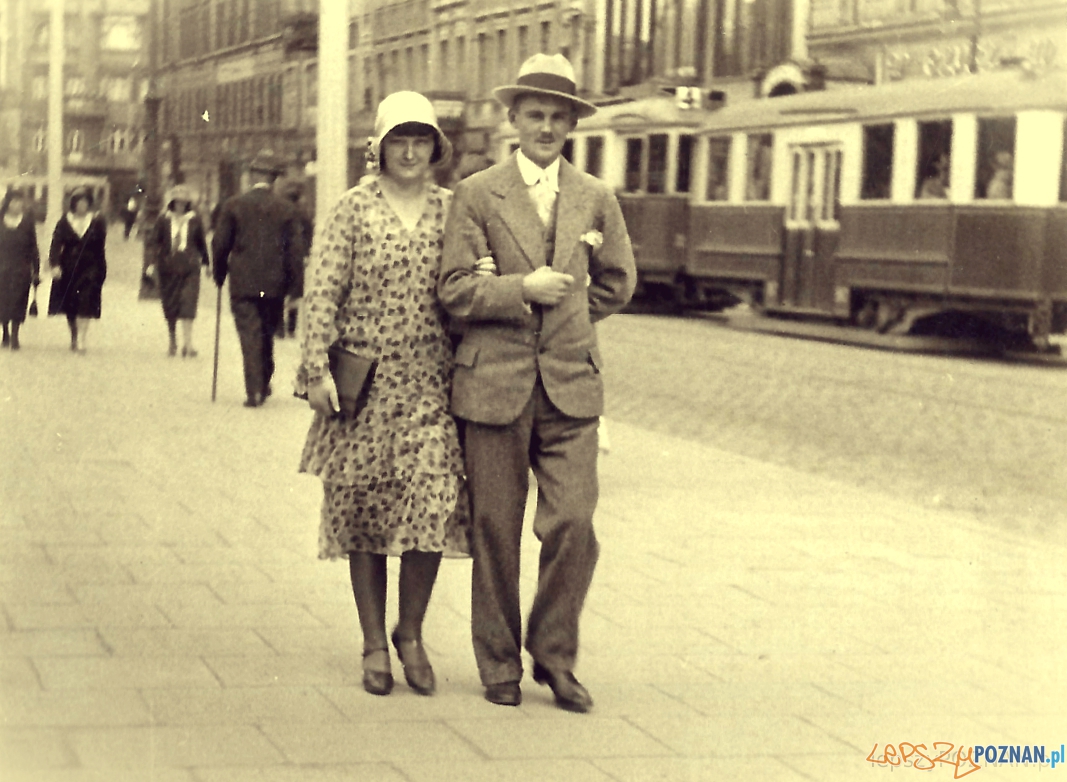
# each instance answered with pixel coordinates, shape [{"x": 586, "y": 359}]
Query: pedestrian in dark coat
[
  {"x": 179, "y": 249},
  {"x": 20, "y": 264},
  {"x": 78, "y": 264},
  {"x": 258, "y": 243}
]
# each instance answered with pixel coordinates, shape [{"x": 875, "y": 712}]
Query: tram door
[{"x": 811, "y": 227}]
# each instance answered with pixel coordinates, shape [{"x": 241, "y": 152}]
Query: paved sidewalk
[{"x": 165, "y": 617}]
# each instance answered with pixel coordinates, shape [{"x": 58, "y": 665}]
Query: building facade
[
  {"x": 906, "y": 39},
  {"x": 105, "y": 78}
]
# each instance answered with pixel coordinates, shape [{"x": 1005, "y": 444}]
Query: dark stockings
[{"x": 418, "y": 572}]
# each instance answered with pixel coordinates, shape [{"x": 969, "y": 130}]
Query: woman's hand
[
  {"x": 150, "y": 270},
  {"x": 485, "y": 267},
  {"x": 322, "y": 396}
]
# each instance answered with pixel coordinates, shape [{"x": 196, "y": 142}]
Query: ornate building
[
  {"x": 904, "y": 39},
  {"x": 104, "y": 81}
]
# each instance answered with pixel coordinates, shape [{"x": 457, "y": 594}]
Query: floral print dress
[{"x": 392, "y": 476}]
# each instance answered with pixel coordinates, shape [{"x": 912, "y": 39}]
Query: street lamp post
[
  {"x": 150, "y": 148},
  {"x": 55, "y": 112}
]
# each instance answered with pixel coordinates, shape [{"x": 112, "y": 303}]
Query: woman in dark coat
[
  {"x": 179, "y": 249},
  {"x": 20, "y": 264},
  {"x": 78, "y": 265}
]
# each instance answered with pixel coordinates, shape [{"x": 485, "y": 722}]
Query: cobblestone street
[{"x": 165, "y": 617}]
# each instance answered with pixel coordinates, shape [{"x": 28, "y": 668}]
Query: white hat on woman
[{"x": 402, "y": 108}]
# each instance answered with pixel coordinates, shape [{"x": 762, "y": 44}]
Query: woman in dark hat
[
  {"x": 78, "y": 265},
  {"x": 20, "y": 263},
  {"x": 179, "y": 249}
]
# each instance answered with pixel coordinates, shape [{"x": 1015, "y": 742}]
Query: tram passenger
[
  {"x": 936, "y": 185},
  {"x": 999, "y": 185}
]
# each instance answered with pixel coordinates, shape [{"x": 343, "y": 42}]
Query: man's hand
[
  {"x": 322, "y": 397},
  {"x": 546, "y": 286},
  {"x": 56, "y": 272}
]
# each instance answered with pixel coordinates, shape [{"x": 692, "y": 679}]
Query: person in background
[
  {"x": 935, "y": 185},
  {"x": 20, "y": 263},
  {"x": 179, "y": 249},
  {"x": 527, "y": 380},
  {"x": 1000, "y": 183},
  {"x": 77, "y": 260},
  {"x": 294, "y": 191},
  {"x": 393, "y": 475},
  {"x": 257, "y": 242},
  {"x": 129, "y": 216}
]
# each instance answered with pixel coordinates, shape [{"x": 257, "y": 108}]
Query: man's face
[{"x": 542, "y": 123}]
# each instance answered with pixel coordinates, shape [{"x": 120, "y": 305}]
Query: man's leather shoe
[
  {"x": 254, "y": 401},
  {"x": 570, "y": 694},
  {"x": 504, "y": 694}
]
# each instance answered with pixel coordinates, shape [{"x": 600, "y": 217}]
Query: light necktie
[{"x": 544, "y": 198}]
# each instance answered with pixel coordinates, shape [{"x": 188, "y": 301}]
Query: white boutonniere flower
[{"x": 593, "y": 238}]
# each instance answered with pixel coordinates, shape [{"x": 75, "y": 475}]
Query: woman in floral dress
[{"x": 392, "y": 475}]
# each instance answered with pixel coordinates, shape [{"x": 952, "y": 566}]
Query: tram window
[
  {"x": 685, "y": 159},
  {"x": 657, "y": 163},
  {"x": 718, "y": 169},
  {"x": 877, "y": 161},
  {"x": 1063, "y": 168},
  {"x": 935, "y": 147},
  {"x": 594, "y": 155},
  {"x": 634, "y": 153},
  {"x": 568, "y": 150},
  {"x": 759, "y": 156},
  {"x": 996, "y": 158}
]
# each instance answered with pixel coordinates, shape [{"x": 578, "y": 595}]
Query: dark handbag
[
  {"x": 353, "y": 375},
  {"x": 33, "y": 304}
]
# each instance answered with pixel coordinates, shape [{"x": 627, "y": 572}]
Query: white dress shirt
[{"x": 542, "y": 184}]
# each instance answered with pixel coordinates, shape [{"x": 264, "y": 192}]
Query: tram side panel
[
  {"x": 887, "y": 250},
  {"x": 737, "y": 249},
  {"x": 1054, "y": 268},
  {"x": 657, "y": 225},
  {"x": 999, "y": 252}
]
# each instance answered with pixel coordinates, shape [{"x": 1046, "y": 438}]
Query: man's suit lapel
[
  {"x": 572, "y": 211},
  {"x": 519, "y": 214}
]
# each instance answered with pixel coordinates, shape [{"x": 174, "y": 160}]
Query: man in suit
[
  {"x": 535, "y": 253},
  {"x": 259, "y": 243}
]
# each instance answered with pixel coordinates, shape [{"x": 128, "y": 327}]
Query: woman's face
[
  {"x": 15, "y": 206},
  {"x": 81, "y": 207},
  {"x": 407, "y": 158},
  {"x": 180, "y": 207}
]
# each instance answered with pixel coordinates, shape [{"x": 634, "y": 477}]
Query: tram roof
[
  {"x": 642, "y": 113},
  {"x": 991, "y": 93}
]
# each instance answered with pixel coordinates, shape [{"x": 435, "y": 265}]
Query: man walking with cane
[
  {"x": 535, "y": 252},
  {"x": 259, "y": 243}
]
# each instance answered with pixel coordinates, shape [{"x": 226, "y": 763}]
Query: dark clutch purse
[{"x": 352, "y": 375}]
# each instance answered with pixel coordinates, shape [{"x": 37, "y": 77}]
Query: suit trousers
[
  {"x": 562, "y": 451},
  {"x": 257, "y": 319}
]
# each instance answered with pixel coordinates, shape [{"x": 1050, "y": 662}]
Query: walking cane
[{"x": 218, "y": 322}]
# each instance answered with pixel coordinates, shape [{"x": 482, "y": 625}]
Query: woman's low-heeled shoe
[
  {"x": 417, "y": 669},
  {"x": 376, "y": 682}
]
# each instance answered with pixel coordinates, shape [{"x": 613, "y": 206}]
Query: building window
[
  {"x": 594, "y": 155},
  {"x": 685, "y": 161},
  {"x": 995, "y": 167},
  {"x": 935, "y": 164},
  {"x": 76, "y": 142},
  {"x": 40, "y": 139},
  {"x": 759, "y": 157},
  {"x": 39, "y": 88},
  {"x": 524, "y": 43},
  {"x": 117, "y": 89},
  {"x": 657, "y": 163},
  {"x": 718, "y": 169},
  {"x": 75, "y": 87},
  {"x": 483, "y": 63},
  {"x": 120, "y": 34},
  {"x": 546, "y": 37},
  {"x": 502, "y": 57},
  {"x": 877, "y": 161}
]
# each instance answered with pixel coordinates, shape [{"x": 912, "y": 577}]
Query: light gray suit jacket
[{"x": 506, "y": 345}]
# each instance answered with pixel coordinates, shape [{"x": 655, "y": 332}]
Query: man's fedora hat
[
  {"x": 545, "y": 74},
  {"x": 266, "y": 162}
]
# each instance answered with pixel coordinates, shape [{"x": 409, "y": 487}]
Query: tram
[{"x": 894, "y": 207}]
